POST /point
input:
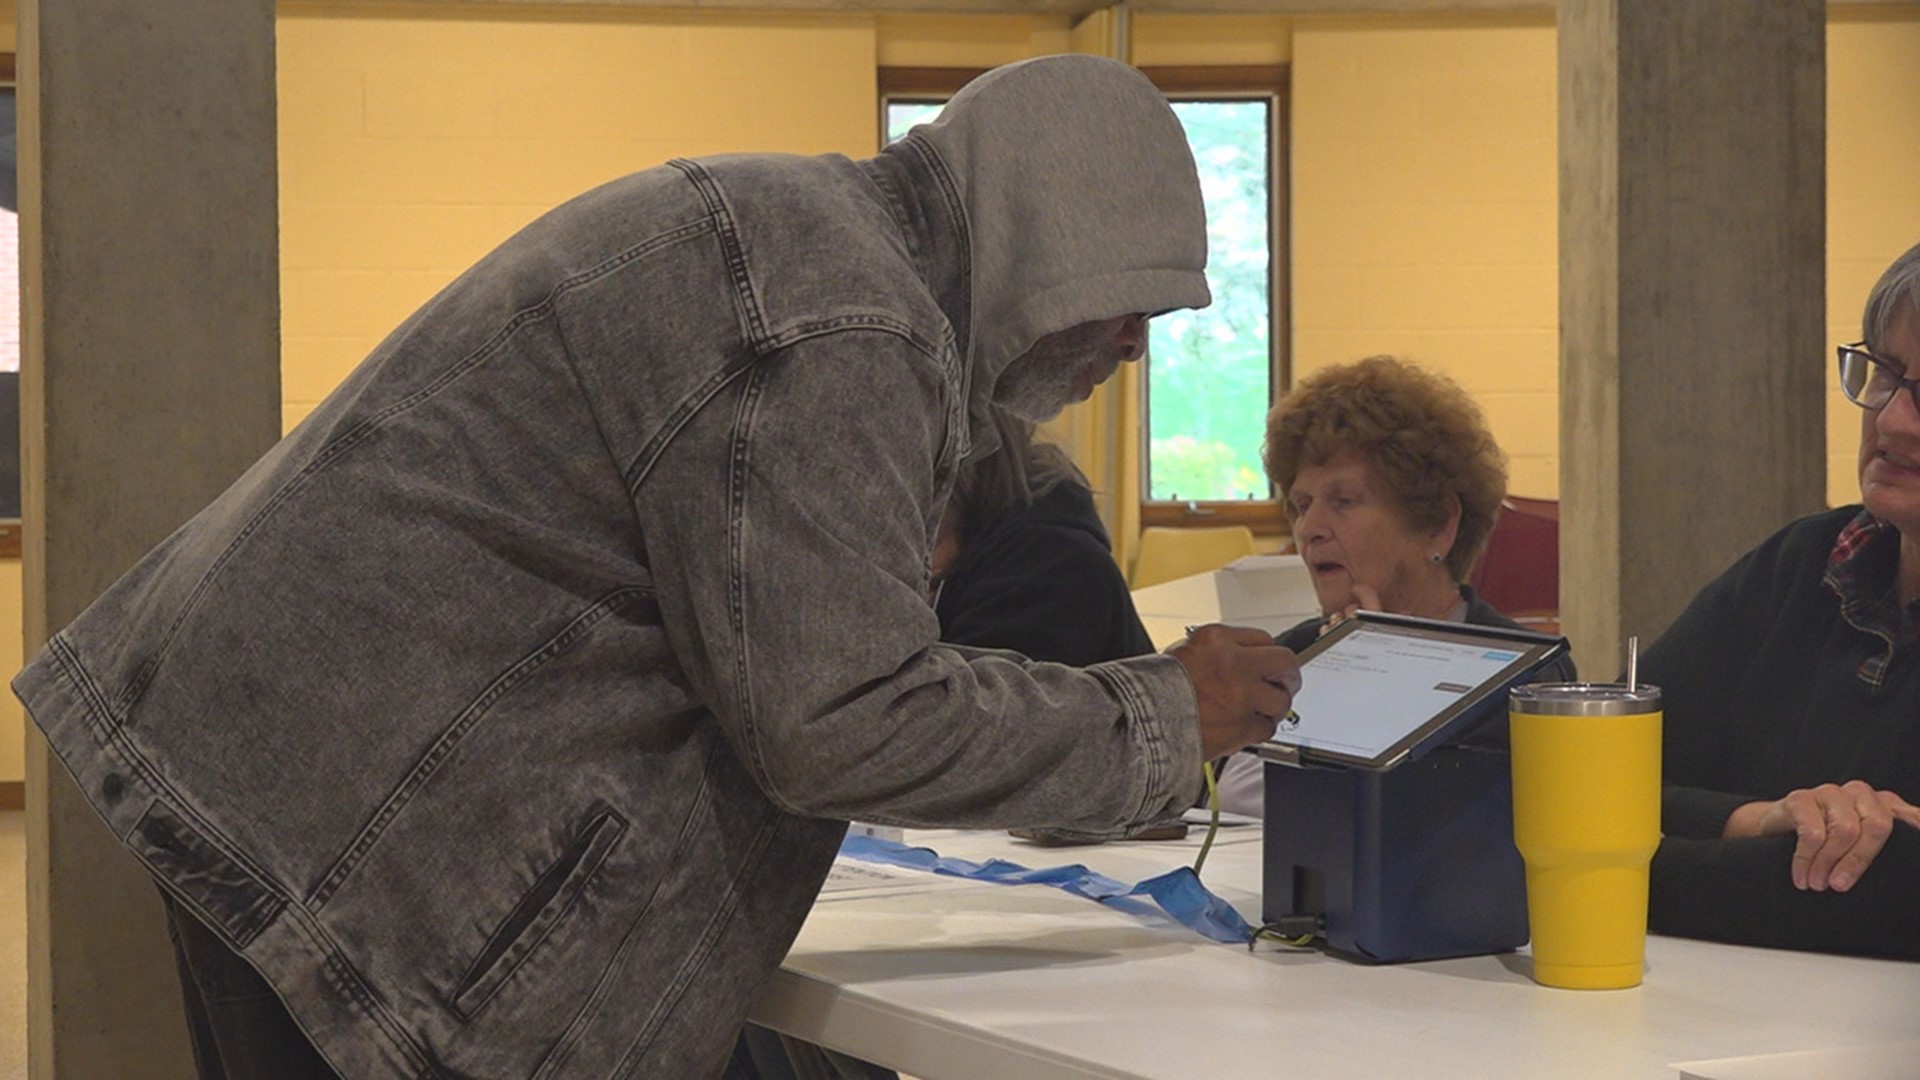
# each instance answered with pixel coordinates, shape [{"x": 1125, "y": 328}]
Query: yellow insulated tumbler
[{"x": 1586, "y": 818}]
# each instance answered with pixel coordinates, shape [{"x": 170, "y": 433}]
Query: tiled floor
[{"x": 13, "y": 946}]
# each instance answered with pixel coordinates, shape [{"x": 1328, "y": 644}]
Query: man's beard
[{"x": 1040, "y": 382}]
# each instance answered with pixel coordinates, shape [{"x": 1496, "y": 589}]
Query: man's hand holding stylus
[{"x": 1243, "y": 684}]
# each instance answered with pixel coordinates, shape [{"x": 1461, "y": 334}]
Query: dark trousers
[
  {"x": 240, "y": 1030},
  {"x": 765, "y": 1054}
]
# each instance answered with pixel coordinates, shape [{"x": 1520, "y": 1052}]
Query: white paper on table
[{"x": 852, "y": 879}]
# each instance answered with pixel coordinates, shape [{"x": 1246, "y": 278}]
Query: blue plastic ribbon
[{"x": 1178, "y": 892}]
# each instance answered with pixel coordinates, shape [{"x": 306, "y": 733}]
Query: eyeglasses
[{"x": 1870, "y": 381}]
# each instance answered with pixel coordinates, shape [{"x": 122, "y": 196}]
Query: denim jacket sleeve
[{"x": 796, "y": 600}]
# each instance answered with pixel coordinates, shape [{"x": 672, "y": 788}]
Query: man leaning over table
[
  {"x": 503, "y": 720},
  {"x": 1792, "y": 695}
]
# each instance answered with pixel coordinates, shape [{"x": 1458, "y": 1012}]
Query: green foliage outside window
[
  {"x": 902, "y": 115},
  {"x": 1207, "y": 388}
]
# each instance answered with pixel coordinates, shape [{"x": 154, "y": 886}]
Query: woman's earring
[{"x": 1436, "y": 557}]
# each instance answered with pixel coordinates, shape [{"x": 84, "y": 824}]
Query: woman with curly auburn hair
[{"x": 1392, "y": 482}]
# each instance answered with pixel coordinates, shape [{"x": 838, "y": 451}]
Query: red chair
[{"x": 1519, "y": 573}]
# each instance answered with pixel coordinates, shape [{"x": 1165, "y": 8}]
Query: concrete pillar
[
  {"x": 1692, "y": 282},
  {"x": 151, "y": 378}
]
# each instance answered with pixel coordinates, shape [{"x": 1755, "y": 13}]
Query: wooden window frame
[{"x": 1263, "y": 516}]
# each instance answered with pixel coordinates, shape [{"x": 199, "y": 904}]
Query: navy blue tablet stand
[{"x": 1415, "y": 862}]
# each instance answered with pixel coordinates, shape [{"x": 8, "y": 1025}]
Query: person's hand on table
[
  {"x": 1841, "y": 828},
  {"x": 1242, "y": 682}
]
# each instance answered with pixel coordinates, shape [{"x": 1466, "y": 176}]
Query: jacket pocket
[{"x": 543, "y": 908}]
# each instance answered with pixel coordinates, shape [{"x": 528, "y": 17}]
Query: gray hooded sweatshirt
[{"x": 506, "y": 715}]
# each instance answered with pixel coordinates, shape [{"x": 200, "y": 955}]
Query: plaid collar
[{"x": 1860, "y": 571}]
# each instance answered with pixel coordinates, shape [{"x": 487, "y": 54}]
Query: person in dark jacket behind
[
  {"x": 504, "y": 719},
  {"x": 1023, "y": 561},
  {"x": 1792, "y": 695},
  {"x": 1392, "y": 482}
]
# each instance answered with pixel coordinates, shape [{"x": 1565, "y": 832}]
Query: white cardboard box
[{"x": 1271, "y": 592}]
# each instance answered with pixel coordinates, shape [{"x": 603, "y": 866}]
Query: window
[
  {"x": 1211, "y": 375},
  {"x": 903, "y": 114},
  {"x": 911, "y": 95}
]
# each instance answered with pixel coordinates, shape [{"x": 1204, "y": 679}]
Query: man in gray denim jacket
[{"x": 506, "y": 715}]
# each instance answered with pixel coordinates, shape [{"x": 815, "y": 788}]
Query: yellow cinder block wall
[
  {"x": 1425, "y": 202},
  {"x": 1423, "y": 168},
  {"x": 1424, "y": 211},
  {"x": 969, "y": 41},
  {"x": 410, "y": 145},
  {"x": 1873, "y": 190},
  {"x": 1163, "y": 40}
]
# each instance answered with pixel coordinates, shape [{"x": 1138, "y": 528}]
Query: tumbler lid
[{"x": 1585, "y": 699}]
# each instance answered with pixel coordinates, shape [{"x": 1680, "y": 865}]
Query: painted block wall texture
[
  {"x": 1165, "y": 40},
  {"x": 969, "y": 41},
  {"x": 1424, "y": 212},
  {"x": 410, "y": 146},
  {"x": 1873, "y": 191},
  {"x": 1423, "y": 165},
  {"x": 1424, "y": 203},
  {"x": 1422, "y": 151}
]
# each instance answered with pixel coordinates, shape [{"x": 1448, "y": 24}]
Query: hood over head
[{"x": 1081, "y": 202}]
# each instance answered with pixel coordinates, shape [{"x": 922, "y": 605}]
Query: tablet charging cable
[
  {"x": 1297, "y": 930},
  {"x": 1213, "y": 816}
]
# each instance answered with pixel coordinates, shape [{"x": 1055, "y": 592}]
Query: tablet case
[
  {"x": 1471, "y": 710},
  {"x": 1412, "y": 863}
]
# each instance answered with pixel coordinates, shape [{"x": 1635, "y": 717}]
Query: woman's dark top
[
  {"x": 1041, "y": 581},
  {"x": 1763, "y": 695},
  {"x": 1479, "y": 613}
]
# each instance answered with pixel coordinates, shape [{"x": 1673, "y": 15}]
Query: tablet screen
[{"x": 1373, "y": 688}]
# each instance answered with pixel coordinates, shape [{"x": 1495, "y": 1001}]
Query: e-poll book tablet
[{"x": 1378, "y": 689}]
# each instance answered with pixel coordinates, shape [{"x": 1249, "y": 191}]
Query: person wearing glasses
[{"x": 1792, "y": 688}]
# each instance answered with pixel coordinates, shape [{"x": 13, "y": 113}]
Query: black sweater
[
  {"x": 1479, "y": 613},
  {"x": 1041, "y": 581},
  {"x": 1761, "y": 698}
]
